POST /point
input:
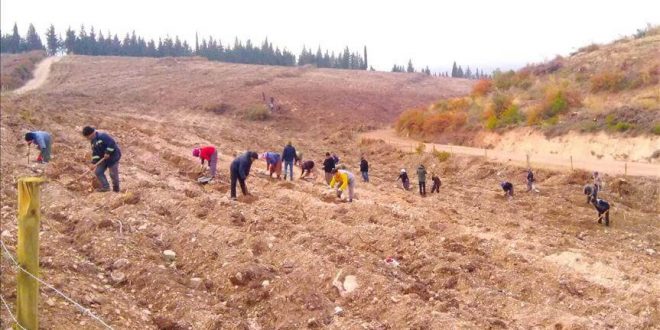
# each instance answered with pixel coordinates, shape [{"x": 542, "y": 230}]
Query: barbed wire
[
  {"x": 83, "y": 309},
  {"x": 10, "y": 313}
]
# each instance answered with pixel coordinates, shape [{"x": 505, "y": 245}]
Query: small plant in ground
[
  {"x": 611, "y": 81},
  {"x": 622, "y": 126},
  {"x": 656, "y": 129},
  {"x": 511, "y": 116},
  {"x": 257, "y": 112},
  {"x": 441, "y": 156}
]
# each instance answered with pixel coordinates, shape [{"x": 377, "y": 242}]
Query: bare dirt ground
[
  {"x": 516, "y": 148},
  {"x": 468, "y": 257},
  {"x": 41, "y": 73}
]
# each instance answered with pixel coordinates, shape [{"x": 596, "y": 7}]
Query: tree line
[
  {"x": 456, "y": 72},
  {"x": 82, "y": 42}
]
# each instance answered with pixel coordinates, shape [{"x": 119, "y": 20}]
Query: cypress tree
[
  {"x": 32, "y": 40},
  {"x": 51, "y": 41}
]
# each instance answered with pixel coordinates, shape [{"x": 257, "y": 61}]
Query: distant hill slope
[
  {"x": 195, "y": 84},
  {"x": 612, "y": 88},
  {"x": 16, "y": 69}
]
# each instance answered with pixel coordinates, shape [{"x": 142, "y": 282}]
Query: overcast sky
[{"x": 486, "y": 33}]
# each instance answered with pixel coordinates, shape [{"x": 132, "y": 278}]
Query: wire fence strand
[
  {"x": 83, "y": 309},
  {"x": 13, "y": 317}
]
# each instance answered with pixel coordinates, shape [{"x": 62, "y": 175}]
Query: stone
[
  {"x": 265, "y": 283},
  {"x": 169, "y": 255},
  {"x": 120, "y": 263},
  {"x": 5, "y": 233},
  {"x": 117, "y": 277},
  {"x": 350, "y": 283},
  {"x": 339, "y": 310},
  {"x": 650, "y": 251}
]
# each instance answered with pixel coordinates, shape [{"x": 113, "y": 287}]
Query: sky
[{"x": 487, "y": 34}]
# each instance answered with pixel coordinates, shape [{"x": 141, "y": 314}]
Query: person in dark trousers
[
  {"x": 603, "y": 208},
  {"x": 105, "y": 155},
  {"x": 210, "y": 155},
  {"x": 328, "y": 166},
  {"x": 403, "y": 176},
  {"x": 364, "y": 169},
  {"x": 421, "y": 175},
  {"x": 591, "y": 192},
  {"x": 239, "y": 171},
  {"x": 508, "y": 188},
  {"x": 44, "y": 143},
  {"x": 288, "y": 156},
  {"x": 436, "y": 183},
  {"x": 530, "y": 180},
  {"x": 306, "y": 167}
]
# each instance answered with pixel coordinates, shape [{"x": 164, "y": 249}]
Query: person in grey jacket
[{"x": 421, "y": 175}]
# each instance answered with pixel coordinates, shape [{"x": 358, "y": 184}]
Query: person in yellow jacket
[{"x": 342, "y": 179}]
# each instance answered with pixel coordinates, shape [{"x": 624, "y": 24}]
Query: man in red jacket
[{"x": 209, "y": 154}]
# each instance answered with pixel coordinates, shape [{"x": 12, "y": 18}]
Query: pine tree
[
  {"x": 410, "y": 68},
  {"x": 15, "y": 42},
  {"x": 366, "y": 61},
  {"x": 32, "y": 39},
  {"x": 468, "y": 73},
  {"x": 51, "y": 41},
  {"x": 454, "y": 70},
  {"x": 459, "y": 72},
  {"x": 70, "y": 41}
]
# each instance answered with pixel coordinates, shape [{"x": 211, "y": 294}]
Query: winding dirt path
[
  {"x": 40, "y": 75},
  {"x": 556, "y": 162}
]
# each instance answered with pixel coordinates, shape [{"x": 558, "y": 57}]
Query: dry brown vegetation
[
  {"x": 16, "y": 69},
  {"x": 575, "y": 93},
  {"x": 468, "y": 257}
]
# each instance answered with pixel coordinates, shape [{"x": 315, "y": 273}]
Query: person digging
[
  {"x": 341, "y": 180},
  {"x": 603, "y": 208},
  {"x": 207, "y": 154},
  {"x": 44, "y": 144},
  {"x": 105, "y": 155},
  {"x": 239, "y": 171}
]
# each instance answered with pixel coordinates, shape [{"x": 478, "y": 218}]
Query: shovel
[{"x": 86, "y": 172}]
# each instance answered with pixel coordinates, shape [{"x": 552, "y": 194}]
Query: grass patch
[
  {"x": 441, "y": 156},
  {"x": 257, "y": 113}
]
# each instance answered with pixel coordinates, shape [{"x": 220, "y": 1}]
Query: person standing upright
[
  {"x": 364, "y": 169},
  {"x": 328, "y": 166},
  {"x": 288, "y": 156}
]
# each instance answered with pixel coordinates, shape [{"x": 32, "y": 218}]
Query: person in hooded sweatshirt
[
  {"x": 436, "y": 183},
  {"x": 603, "y": 208},
  {"x": 239, "y": 171},
  {"x": 508, "y": 188}
]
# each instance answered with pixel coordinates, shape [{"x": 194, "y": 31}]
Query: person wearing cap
[
  {"x": 44, "y": 143},
  {"x": 207, "y": 154},
  {"x": 342, "y": 179},
  {"x": 105, "y": 155},
  {"x": 403, "y": 176},
  {"x": 328, "y": 166},
  {"x": 239, "y": 171},
  {"x": 273, "y": 163},
  {"x": 421, "y": 175},
  {"x": 288, "y": 156},
  {"x": 508, "y": 188}
]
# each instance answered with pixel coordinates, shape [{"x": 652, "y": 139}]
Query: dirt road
[
  {"x": 40, "y": 75},
  {"x": 548, "y": 161}
]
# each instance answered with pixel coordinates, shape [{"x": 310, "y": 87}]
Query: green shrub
[
  {"x": 511, "y": 116},
  {"x": 420, "y": 148},
  {"x": 491, "y": 123},
  {"x": 257, "y": 112},
  {"x": 552, "y": 121},
  {"x": 656, "y": 129},
  {"x": 622, "y": 126},
  {"x": 441, "y": 155}
]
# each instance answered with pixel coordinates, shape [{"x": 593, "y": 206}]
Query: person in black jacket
[
  {"x": 328, "y": 166},
  {"x": 508, "y": 188},
  {"x": 364, "y": 169},
  {"x": 239, "y": 171},
  {"x": 288, "y": 156},
  {"x": 436, "y": 183},
  {"x": 603, "y": 209},
  {"x": 105, "y": 155}
]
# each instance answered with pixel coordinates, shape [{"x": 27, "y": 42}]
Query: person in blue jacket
[
  {"x": 105, "y": 155},
  {"x": 603, "y": 208},
  {"x": 43, "y": 141},
  {"x": 239, "y": 171},
  {"x": 288, "y": 156}
]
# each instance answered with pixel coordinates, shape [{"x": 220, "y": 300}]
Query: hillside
[
  {"x": 612, "y": 88},
  {"x": 468, "y": 258},
  {"x": 16, "y": 69}
]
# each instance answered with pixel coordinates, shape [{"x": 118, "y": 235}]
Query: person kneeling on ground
[
  {"x": 105, "y": 155},
  {"x": 239, "y": 171},
  {"x": 306, "y": 167},
  {"x": 508, "y": 188},
  {"x": 403, "y": 176},
  {"x": 273, "y": 163},
  {"x": 341, "y": 180},
  {"x": 210, "y": 155},
  {"x": 436, "y": 183},
  {"x": 603, "y": 208},
  {"x": 43, "y": 142}
]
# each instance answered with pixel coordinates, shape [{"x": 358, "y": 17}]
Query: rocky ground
[{"x": 293, "y": 256}]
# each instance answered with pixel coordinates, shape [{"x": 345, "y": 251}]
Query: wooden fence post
[
  {"x": 27, "y": 251},
  {"x": 625, "y": 169},
  {"x": 527, "y": 161},
  {"x": 571, "y": 162}
]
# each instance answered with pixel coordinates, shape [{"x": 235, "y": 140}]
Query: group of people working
[{"x": 106, "y": 155}]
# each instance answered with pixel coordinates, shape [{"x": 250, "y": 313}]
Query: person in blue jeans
[
  {"x": 105, "y": 155},
  {"x": 289, "y": 157}
]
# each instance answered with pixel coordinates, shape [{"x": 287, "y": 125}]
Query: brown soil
[{"x": 468, "y": 257}]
